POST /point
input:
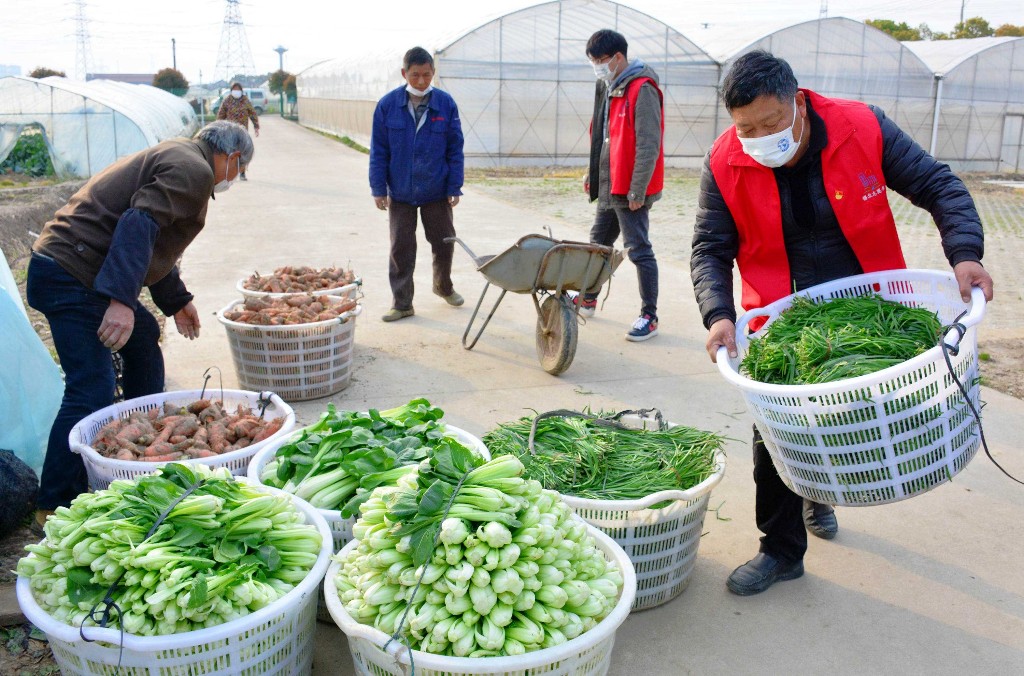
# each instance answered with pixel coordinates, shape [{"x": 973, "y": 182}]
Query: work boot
[
  {"x": 761, "y": 572},
  {"x": 394, "y": 314},
  {"x": 820, "y": 520},
  {"x": 454, "y": 298}
]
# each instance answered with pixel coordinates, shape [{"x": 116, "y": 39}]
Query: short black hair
[
  {"x": 606, "y": 42},
  {"x": 417, "y": 56},
  {"x": 755, "y": 74}
]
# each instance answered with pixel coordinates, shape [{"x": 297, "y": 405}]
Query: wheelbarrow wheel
[{"x": 556, "y": 334}]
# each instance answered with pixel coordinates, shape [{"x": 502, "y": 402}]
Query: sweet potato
[
  {"x": 157, "y": 448},
  {"x": 269, "y": 430}
]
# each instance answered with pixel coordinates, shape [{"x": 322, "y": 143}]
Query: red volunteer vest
[
  {"x": 622, "y": 132},
  {"x": 851, "y": 166}
]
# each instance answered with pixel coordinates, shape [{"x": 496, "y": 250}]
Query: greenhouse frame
[
  {"x": 89, "y": 125},
  {"x": 525, "y": 88}
]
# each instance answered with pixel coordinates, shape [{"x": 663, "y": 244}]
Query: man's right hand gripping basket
[{"x": 881, "y": 437}]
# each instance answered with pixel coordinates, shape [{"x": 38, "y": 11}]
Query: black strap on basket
[
  {"x": 264, "y": 401},
  {"x": 108, "y": 602},
  {"x": 612, "y": 421},
  {"x": 206, "y": 379},
  {"x": 954, "y": 350}
]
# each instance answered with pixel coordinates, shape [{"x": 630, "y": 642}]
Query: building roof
[{"x": 943, "y": 56}]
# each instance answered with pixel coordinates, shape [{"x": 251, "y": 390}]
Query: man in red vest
[
  {"x": 795, "y": 193},
  {"x": 626, "y": 167}
]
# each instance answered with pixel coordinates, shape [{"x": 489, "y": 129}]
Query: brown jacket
[
  {"x": 172, "y": 182},
  {"x": 238, "y": 110}
]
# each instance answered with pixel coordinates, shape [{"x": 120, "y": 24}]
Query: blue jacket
[{"x": 416, "y": 167}]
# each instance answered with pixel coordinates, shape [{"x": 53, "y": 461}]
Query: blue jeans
[
  {"x": 74, "y": 313},
  {"x": 634, "y": 226}
]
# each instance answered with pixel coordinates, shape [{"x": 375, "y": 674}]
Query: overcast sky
[{"x": 135, "y": 35}]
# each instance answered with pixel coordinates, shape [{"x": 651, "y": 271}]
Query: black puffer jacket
[{"x": 815, "y": 245}]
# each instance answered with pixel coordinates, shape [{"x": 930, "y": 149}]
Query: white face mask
[
  {"x": 603, "y": 71},
  {"x": 222, "y": 186},
  {"x": 418, "y": 92},
  {"x": 235, "y": 94},
  {"x": 775, "y": 149}
]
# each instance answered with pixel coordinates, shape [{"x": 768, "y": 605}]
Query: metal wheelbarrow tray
[{"x": 547, "y": 269}]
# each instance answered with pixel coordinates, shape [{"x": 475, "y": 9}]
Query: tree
[
  {"x": 171, "y": 80},
  {"x": 975, "y": 27},
  {"x": 899, "y": 31},
  {"x": 1010, "y": 31},
  {"x": 43, "y": 71},
  {"x": 277, "y": 80},
  {"x": 289, "y": 86}
]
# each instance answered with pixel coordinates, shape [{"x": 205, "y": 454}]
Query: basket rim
[
  {"x": 728, "y": 367},
  {"x": 197, "y": 637},
  {"x": 91, "y": 455},
  {"x": 263, "y": 456},
  {"x": 241, "y": 326},
  {"x": 334, "y": 291},
  {"x": 603, "y": 631}
]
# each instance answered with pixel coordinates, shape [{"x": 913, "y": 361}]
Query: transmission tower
[
  {"x": 234, "y": 57},
  {"x": 83, "y": 57}
]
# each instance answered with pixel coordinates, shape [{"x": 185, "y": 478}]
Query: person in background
[
  {"x": 627, "y": 167},
  {"x": 236, "y": 107},
  {"x": 124, "y": 229},
  {"x": 416, "y": 166},
  {"x": 795, "y": 193}
]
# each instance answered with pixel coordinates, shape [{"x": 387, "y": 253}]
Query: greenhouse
[
  {"x": 979, "y": 100},
  {"x": 525, "y": 89},
  {"x": 89, "y": 125}
]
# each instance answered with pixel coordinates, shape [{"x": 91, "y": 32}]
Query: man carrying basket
[{"x": 795, "y": 193}]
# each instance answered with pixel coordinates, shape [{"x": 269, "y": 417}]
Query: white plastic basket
[
  {"x": 661, "y": 542},
  {"x": 346, "y": 291},
  {"x": 341, "y": 528},
  {"x": 588, "y": 654},
  {"x": 102, "y": 470},
  {"x": 297, "y": 361},
  {"x": 277, "y": 639},
  {"x": 877, "y": 438}
]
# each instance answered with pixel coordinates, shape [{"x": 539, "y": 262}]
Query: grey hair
[{"x": 227, "y": 137}]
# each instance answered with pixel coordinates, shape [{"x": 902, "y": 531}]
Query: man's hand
[
  {"x": 969, "y": 274},
  {"x": 721, "y": 334},
  {"x": 382, "y": 202},
  {"x": 453, "y": 201},
  {"x": 117, "y": 325},
  {"x": 187, "y": 321},
  {"x": 633, "y": 206}
]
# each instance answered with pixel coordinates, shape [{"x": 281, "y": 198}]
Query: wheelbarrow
[{"x": 547, "y": 269}]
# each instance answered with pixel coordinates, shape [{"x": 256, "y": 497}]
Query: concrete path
[{"x": 930, "y": 585}]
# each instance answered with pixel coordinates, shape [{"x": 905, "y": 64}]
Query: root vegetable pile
[
  {"x": 291, "y": 310},
  {"x": 201, "y": 429},
  {"x": 300, "y": 279},
  {"x": 224, "y": 551}
]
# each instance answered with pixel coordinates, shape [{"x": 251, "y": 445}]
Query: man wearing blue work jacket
[{"x": 416, "y": 165}]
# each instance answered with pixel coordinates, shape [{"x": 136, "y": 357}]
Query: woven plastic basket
[
  {"x": 298, "y": 361},
  {"x": 661, "y": 542},
  {"x": 346, "y": 291},
  {"x": 102, "y": 470},
  {"x": 277, "y": 639},
  {"x": 877, "y": 438},
  {"x": 341, "y": 528},
  {"x": 588, "y": 654}
]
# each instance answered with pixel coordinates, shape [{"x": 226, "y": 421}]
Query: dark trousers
[
  {"x": 438, "y": 223},
  {"x": 634, "y": 226},
  {"x": 74, "y": 313},
  {"x": 779, "y": 511}
]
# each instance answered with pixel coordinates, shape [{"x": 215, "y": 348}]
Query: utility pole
[
  {"x": 962, "y": 4},
  {"x": 823, "y": 10},
  {"x": 174, "y": 54},
  {"x": 280, "y": 67}
]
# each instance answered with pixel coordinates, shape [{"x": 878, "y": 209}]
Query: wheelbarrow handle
[{"x": 449, "y": 240}]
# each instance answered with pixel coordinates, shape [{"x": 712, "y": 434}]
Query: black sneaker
[{"x": 644, "y": 328}]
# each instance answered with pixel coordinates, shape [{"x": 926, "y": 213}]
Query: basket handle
[
  {"x": 968, "y": 318},
  {"x": 347, "y": 314},
  {"x": 597, "y": 420}
]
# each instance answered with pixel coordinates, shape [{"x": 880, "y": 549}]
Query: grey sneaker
[
  {"x": 394, "y": 314},
  {"x": 453, "y": 299}
]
